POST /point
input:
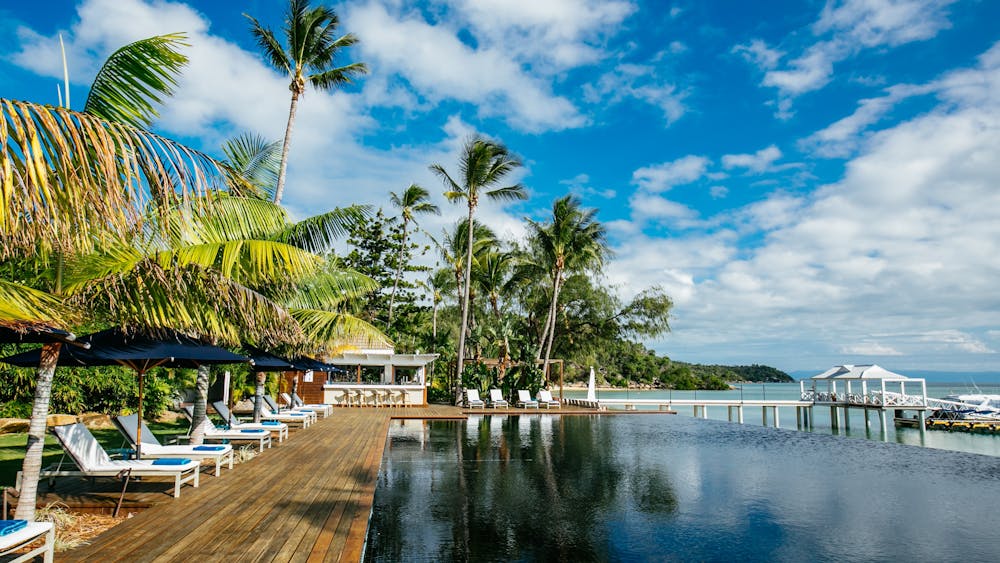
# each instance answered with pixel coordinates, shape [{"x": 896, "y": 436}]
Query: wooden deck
[{"x": 308, "y": 499}]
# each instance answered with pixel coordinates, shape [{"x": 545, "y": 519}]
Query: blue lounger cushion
[
  {"x": 171, "y": 461},
  {"x": 252, "y": 430},
  {"x": 209, "y": 448},
  {"x": 271, "y": 423},
  {"x": 11, "y": 526}
]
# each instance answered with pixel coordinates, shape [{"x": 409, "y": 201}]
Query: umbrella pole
[
  {"x": 138, "y": 430},
  {"x": 229, "y": 421}
]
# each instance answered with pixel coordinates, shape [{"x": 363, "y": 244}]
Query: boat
[{"x": 973, "y": 406}]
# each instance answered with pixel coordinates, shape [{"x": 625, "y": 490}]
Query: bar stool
[
  {"x": 399, "y": 397},
  {"x": 389, "y": 397}
]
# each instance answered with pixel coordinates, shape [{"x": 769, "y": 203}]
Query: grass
[{"x": 12, "y": 446}]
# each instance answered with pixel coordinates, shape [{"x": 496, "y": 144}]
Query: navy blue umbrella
[
  {"x": 306, "y": 364},
  {"x": 35, "y": 334},
  {"x": 139, "y": 351}
]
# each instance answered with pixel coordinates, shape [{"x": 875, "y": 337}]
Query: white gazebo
[{"x": 877, "y": 398}]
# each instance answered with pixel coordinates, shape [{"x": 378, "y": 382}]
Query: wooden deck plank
[{"x": 307, "y": 499}]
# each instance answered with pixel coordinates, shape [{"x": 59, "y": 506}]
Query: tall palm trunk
[
  {"x": 31, "y": 468},
  {"x": 548, "y": 326},
  {"x": 258, "y": 395},
  {"x": 280, "y": 189},
  {"x": 465, "y": 307},
  {"x": 200, "y": 405},
  {"x": 552, "y": 333},
  {"x": 399, "y": 271}
]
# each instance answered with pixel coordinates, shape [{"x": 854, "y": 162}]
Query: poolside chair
[
  {"x": 297, "y": 401},
  {"x": 497, "y": 400},
  {"x": 274, "y": 408},
  {"x": 20, "y": 533},
  {"x": 524, "y": 400},
  {"x": 325, "y": 410},
  {"x": 210, "y": 433},
  {"x": 92, "y": 461},
  {"x": 235, "y": 423},
  {"x": 152, "y": 448},
  {"x": 545, "y": 399},
  {"x": 472, "y": 399},
  {"x": 298, "y": 419}
]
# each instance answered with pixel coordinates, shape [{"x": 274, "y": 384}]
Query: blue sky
[{"x": 813, "y": 182}]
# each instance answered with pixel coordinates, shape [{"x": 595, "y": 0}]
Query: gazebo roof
[{"x": 867, "y": 371}]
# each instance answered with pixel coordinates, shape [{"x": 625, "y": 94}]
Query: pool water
[{"x": 669, "y": 488}]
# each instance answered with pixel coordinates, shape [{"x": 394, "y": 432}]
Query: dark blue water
[{"x": 669, "y": 488}]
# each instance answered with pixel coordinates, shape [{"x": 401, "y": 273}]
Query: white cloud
[
  {"x": 638, "y": 82},
  {"x": 718, "y": 192},
  {"x": 758, "y": 162},
  {"x": 870, "y": 349},
  {"x": 580, "y": 185},
  {"x": 662, "y": 177},
  {"x": 897, "y": 256},
  {"x": 844, "y": 29},
  {"x": 759, "y": 54},
  {"x": 440, "y": 66}
]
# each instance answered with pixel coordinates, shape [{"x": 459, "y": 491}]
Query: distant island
[{"x": 630, "y": 364}]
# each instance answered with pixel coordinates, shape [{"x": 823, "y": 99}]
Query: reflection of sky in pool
[{"x": 660, "y": 487}]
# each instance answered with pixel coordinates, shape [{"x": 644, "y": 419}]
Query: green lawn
[{"x": 12, "y": 447}]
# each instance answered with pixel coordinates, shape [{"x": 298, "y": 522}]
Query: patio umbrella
[
  {"x": 36, "y": 334},
  {"x": 306, "y": 364},
  {"x": 139, "y": 351}
]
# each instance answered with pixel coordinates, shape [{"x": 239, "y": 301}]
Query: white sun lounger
[
  {"x": 472, "y": 399},
  {"x": 525, "y": 401},
  {"x": 545, "y": 399},
  {"x": 303, "y": 420},
  {"x": 276, "y": 409},
  {"x": 497, "y": 400},
  {"x": 297, "y": 402},
  {"x": 210, "y": 433},
  {"x": 92, "y": 461},
  {"x": 152, "y": 448},
  {"x": 236, "y": 424},
  {"x": 17, "y": 540}
]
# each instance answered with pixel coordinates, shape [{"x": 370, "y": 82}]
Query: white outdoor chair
[
  {"x": 31, "y": 532},
  {"x": 272, "y": 426},
  {"x": 152, "y": 448},
  {"x": 497, "y": 400},
  {"x": 297, "y": 401},
  {"x": 275, "y": 409},
  {"x": 472, "y": 399},
  {"x": 92, "y": 461},
  {"x": 545, "y": 399},
  {"x": 525, "y": 401}
]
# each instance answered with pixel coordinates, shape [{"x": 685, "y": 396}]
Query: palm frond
[
  {"x": 330, "y": 289},
  {"x": 24, "y": 307},
  {"x": 136, "y": 78},
  {"x": 68, "y": 178},
  {"x": 329, "y": 79},
  {"x": 319, "y": 233},
  {"x": 256, "y": 160},
  {"x": 509, "y": 193},
  {"x": 273, "y": 50},
  {"x": 331, "y": 330}
]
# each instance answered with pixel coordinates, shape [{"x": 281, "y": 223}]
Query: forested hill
[{"x": 755, "y": 373}]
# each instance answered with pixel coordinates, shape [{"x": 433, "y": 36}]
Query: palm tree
[
  {"x": 574, "y": 241},
  {"x": 71, "y": 177},
  {"x": 311, "y": 36},
  {"x": 482, "y": 164},
  {"x": 414, "y": 201}
]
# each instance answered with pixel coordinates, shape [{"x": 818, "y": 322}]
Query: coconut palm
[
  {"x": 70, "y": 179},
  {"x": 414, "y": 201},
  {"x": 482, "y": 166},
  {"x": 312, "y": 46},
  {"x": 574, "y": 241}
]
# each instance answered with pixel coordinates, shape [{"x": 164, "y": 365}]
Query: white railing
[{"x": 872, "y": 398}]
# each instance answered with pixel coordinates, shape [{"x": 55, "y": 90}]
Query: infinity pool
[{"x": 669, "y": 488}]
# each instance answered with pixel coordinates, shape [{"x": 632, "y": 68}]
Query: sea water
[
  {"x": 652, "y": 487},
  {"x": 959, "y": 441}
]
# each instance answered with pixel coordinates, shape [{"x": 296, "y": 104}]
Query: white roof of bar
[{"x": 383, "y": 358}]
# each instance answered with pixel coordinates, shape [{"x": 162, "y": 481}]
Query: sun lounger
[
  {"x": 297, "y": 401},
  {"x": 25, "y": 534},
  {"x": 276, "y": 408},
  {"x": 235, "y": 423},
  {"x": 525, "y": 401},
  {"x": 545, "y": 399},
  {"x": 300, "y": 419},
  {"x": 92, "y": 461},
  {"x": 152, "y": 448},
  {"x": 210, "y": 433},
  {"x": 497, "y": 400},
  {"x": 472, "y": 399}
]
